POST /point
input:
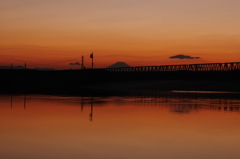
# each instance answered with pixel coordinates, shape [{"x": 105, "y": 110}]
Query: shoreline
[
  {"x": 171, "y": 85},
  {"x": 123, "y": 88},
  {"x": 101, "y": 81}
]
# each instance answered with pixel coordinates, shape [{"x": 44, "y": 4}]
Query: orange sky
[{"x": 51, "y": 33}]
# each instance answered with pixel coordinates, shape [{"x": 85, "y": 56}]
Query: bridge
[{"x": 230, "y": 66}]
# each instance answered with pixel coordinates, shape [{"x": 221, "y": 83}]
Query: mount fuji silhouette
[{"x": 118, "y": 64}]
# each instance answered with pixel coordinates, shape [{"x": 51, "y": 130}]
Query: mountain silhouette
[
  {"x": 15, "y": 67},
  {"x": 44, "y": 69},
  {"x": 21, "y": 68},
  {"x": 118, "y": 64}
]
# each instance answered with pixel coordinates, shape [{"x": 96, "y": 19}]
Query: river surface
[{"x": 172, "y": 125}]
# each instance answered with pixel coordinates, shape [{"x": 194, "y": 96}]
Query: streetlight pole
[{"x": 91, "y": 56}]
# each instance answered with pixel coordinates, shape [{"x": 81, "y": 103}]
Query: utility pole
[
  {"x": 91, "y": 56},
  {"x": 25, "y": 65},
  {"x": 11, "y": 66},
  {"x": 82, "y": 62}
]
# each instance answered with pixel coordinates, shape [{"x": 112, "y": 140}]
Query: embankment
[{"x": 100, "y": 81}]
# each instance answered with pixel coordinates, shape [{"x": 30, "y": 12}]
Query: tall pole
[
  {"x": 82, "y": 62},
  {"x": 92, "y": 60},
  {"x": 25, "y": 66}
]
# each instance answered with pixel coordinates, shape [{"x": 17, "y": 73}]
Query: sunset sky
[{"x": 53, "y": 33}]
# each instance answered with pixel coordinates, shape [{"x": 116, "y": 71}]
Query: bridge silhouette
[{"x": 230, "y": 66}]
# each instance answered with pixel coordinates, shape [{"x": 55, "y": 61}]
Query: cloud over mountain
[{"x": 180, "y": 56}]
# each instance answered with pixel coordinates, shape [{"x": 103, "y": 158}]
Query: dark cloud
[
  {"x": 183, "y": 57},
  {"x": 75, "y": 63}
]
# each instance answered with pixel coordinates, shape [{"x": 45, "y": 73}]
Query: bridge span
[{"x": 229, "y": 66}]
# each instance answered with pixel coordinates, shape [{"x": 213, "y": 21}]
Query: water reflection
[
  {"x": 24, "y": 101},
  {"x": 91, "y": 112},
  {"x": 180, "y": 102},
  {"x": 144, "y": 125}
]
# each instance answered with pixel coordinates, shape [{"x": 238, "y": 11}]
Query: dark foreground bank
[{"x": 100, "y": 81}]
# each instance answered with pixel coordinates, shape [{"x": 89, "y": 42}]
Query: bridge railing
[{"x": 231, "y": 66}]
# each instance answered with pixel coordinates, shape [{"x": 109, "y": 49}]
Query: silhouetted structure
[
  {"x": 82, "y": 62},
  {"x": 231, "y": 66},
  {"x": 91, "y": 56}
]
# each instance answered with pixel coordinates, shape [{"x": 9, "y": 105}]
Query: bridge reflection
[
  {"x": 180, "y": 102},
  {"x": 175, "y": 101}
]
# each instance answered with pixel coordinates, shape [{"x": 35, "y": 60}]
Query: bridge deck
[{"x": 230, "y": 66}]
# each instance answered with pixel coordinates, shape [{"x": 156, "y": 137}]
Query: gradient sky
[{"x": 53, "y": 33}]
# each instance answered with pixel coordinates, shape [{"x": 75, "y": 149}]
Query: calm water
[{"x": 166, "y": 125}]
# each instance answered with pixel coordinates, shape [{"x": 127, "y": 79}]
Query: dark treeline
[{"x": 71, "y": 80}]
